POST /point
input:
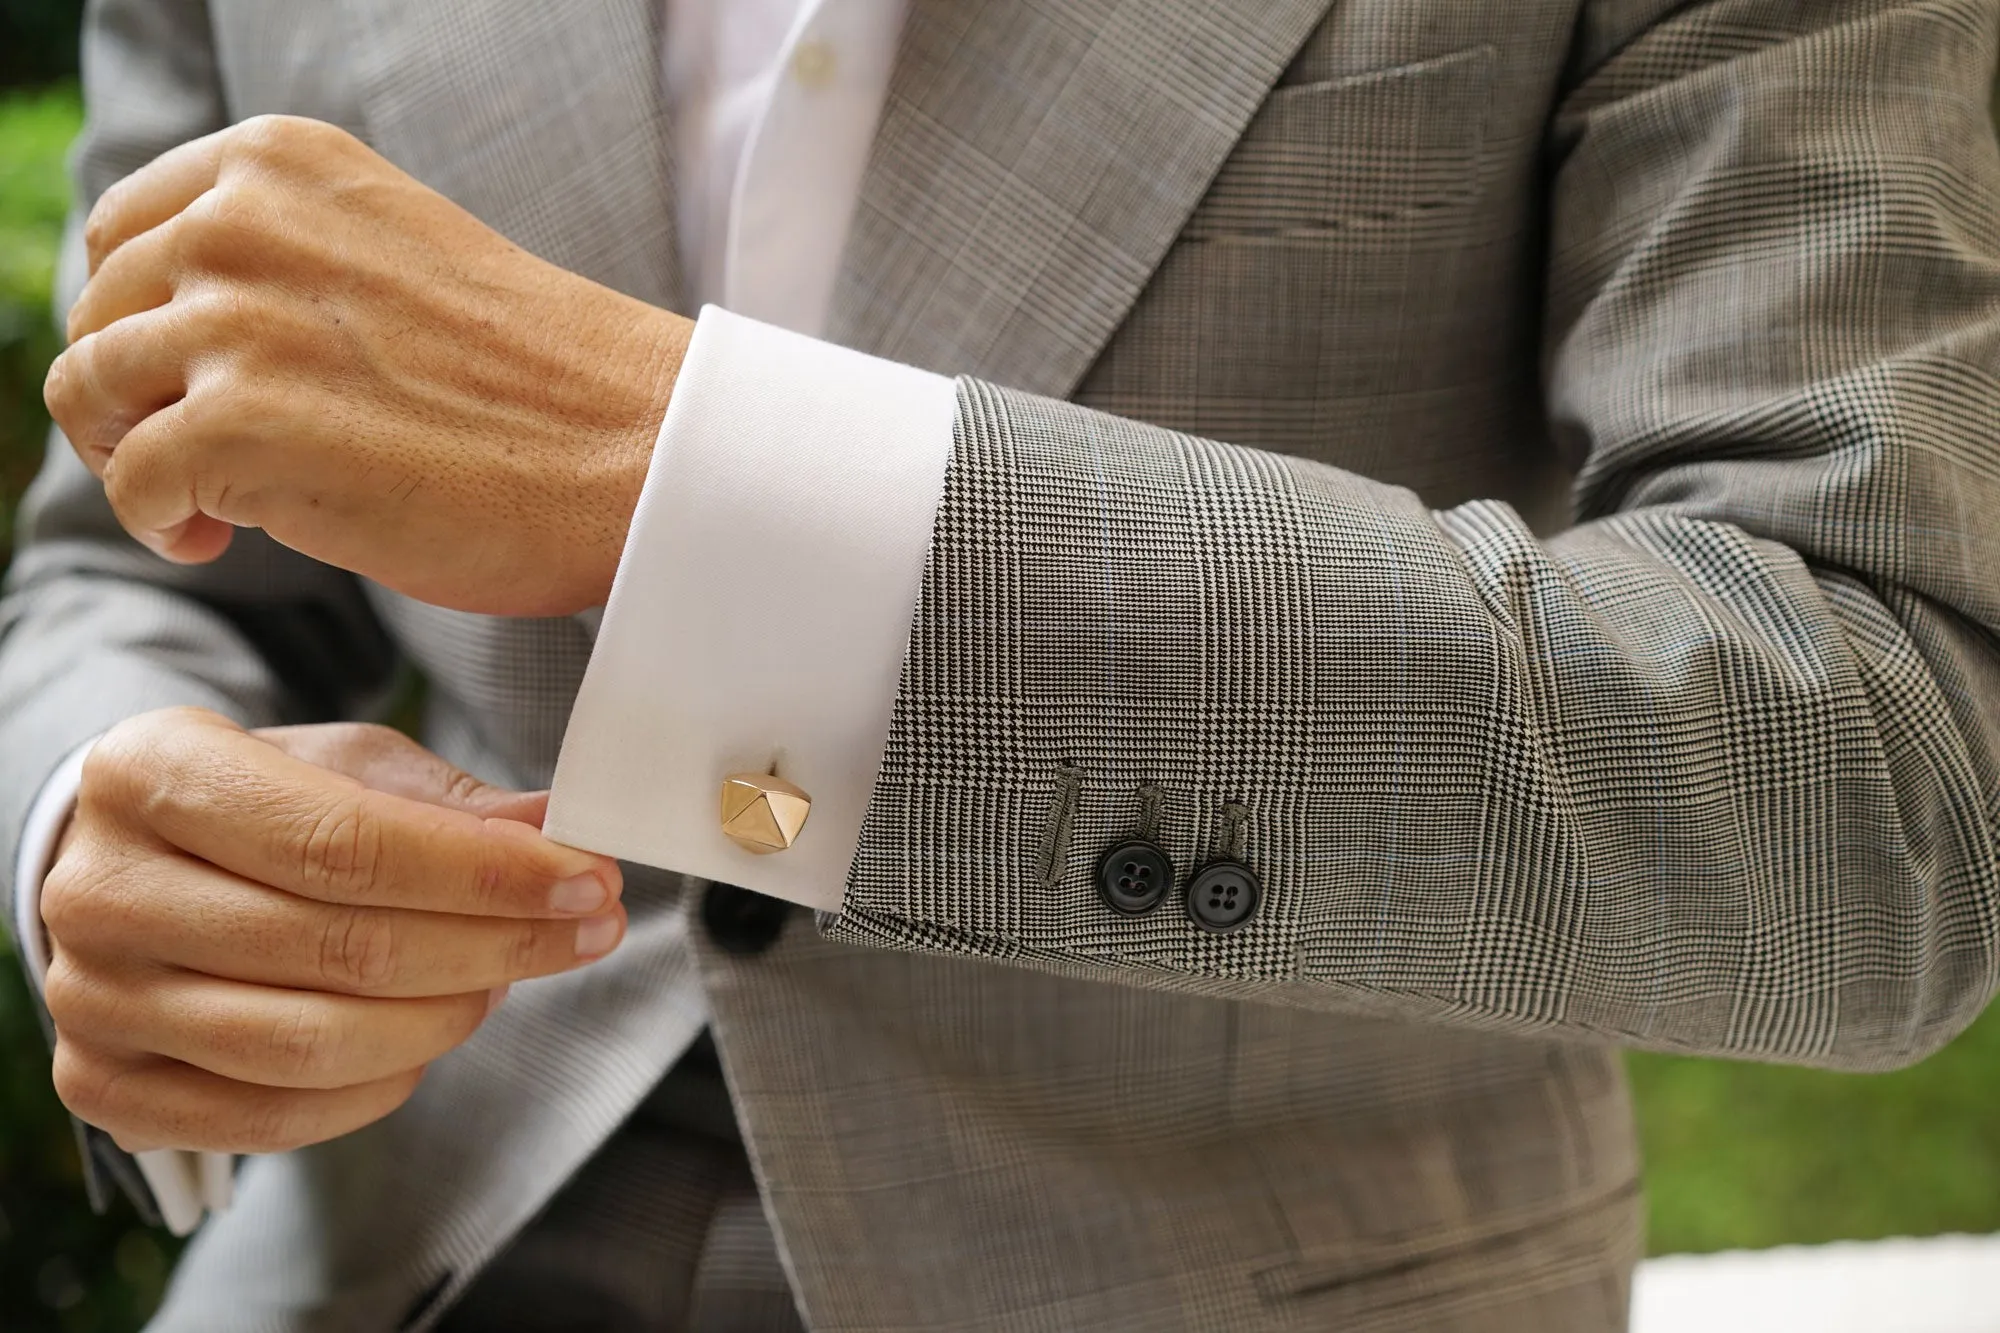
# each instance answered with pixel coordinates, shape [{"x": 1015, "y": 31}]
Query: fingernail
[
  {"x": 578, "y": 895},
  {"x": 597, "y": 936},
  {"x": 494, "y": 996}
]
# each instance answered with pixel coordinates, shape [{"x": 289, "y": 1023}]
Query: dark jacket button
[
  {"x": 1223, "y": 896},
  {"x": 1133, "y": 876},
  {"x": 742, "y": 922}
]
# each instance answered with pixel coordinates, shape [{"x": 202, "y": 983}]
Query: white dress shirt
[{"x": 762, "y": 607}]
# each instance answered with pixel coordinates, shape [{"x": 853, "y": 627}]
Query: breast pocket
[
  {"x": 1315, "y": 301},
  {"x": 1365, "y": 153}
]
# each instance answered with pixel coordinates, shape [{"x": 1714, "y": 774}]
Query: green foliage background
[{"x": 1737, "y": 1155}]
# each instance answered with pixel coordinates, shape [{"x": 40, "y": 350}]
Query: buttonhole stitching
[
  {"x": 1235, "y": 830},
  {"x": 1062, "y": 820},
  {"x": 1152, "y": 800}
]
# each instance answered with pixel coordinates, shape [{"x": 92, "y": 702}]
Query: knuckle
[
  {"x": 525, "y": 951},
  {"x": 61, "y": 389},
  {"x": 494, "y": 872},
  {"x": 303, "y": 1045},
  {"x": 460, "y": 787},
  {"x": 483, "y": 886},
  {"x": 225, "y": 413},
  {"x": 81, "y": 905},
  {"x": 90, "y": 1005},
  {"x": 322, "y": 744},
  {"x": 79, "y": 1086},
  {"x": 225, "y": 227},
  {"x": 97, "y": 226},
  {"x": 217, "y": 494},
  {"x": 87, "y": 1084},
  {"x": 66, "y": 993},
  {"x": 127, "y": 769},
  {"x": 359, "y": 951},
  {"x": 288, "y": 143},
  {"x": 107, "y": 769},
  {"x": 278, "y": 1121},
  {"x": 84, "y": 395},
  {"x": 65, "y": 914},
  {"x": 268, "y": 1123},
  {"x": 341, "y": 851},
  {"x": 267, "y": 135},
  {"x": 357, "y": 744},
  {"x": 215, "y": 314},
  {"x": 115, "y": 750},
  {"x": 370, "y": 736},
  {"x": 128, "y": 479}
]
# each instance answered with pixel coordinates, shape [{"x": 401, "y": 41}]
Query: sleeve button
[
  {"x": 1223, "y": 896},
  {"x": 1133, "y": 876}
]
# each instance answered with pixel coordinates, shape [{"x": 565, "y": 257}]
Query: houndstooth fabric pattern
[
  {"x": 1294, "y": 333},
  {"x": 1712, "y": 769}
]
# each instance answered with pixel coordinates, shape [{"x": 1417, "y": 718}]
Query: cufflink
[{"x": 762, "y": 813}]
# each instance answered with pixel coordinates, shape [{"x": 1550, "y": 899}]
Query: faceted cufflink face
[{"x": 761, "y": 813}]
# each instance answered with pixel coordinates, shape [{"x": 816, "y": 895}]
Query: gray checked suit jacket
[{"x": 1522, "y": 477}]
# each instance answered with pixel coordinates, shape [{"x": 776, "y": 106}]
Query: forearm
[
  {"x": 1657, "y": 781},
  {"x": 1661, "y": 780},
  {"x": 1714, "y": 770}
]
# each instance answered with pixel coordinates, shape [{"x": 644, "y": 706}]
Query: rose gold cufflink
[{"x": 762, "y": 813}]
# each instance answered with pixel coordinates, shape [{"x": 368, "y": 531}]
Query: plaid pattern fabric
[
  {"x": 661, "y": 1231},
  {"x": 1711, "y": 769}
]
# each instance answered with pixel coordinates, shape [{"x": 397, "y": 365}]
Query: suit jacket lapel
[
  {"x": 1034, "y": 163},
  {"x": 544, "y": 120}
]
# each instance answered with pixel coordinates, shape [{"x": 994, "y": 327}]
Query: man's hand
[
  {"x": 284, "y": 331},
  {"x": 259, "y": 940}
]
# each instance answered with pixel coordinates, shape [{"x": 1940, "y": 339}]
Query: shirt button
[
  {"x": 1223, "y": 896},
  {"x": 814, "y": 64}
]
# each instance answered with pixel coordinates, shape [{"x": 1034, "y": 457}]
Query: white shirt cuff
[
  {"x": 184, "y": 1184},
  {"x": 762, "y": 608}
]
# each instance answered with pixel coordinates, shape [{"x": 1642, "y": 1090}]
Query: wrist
[{"x": 654, "y": 350}]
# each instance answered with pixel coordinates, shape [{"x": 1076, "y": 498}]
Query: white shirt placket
[{"x": 797, "y": 185}]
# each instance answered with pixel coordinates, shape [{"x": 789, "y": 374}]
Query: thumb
[{"x": 386, "y": 760}]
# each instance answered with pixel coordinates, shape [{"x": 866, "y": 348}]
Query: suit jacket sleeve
[
  {"x": 93, "y": 628},
  {"x": 1713, "y": 770}
]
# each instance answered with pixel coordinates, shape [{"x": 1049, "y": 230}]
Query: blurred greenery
[
  {"x": 1737, "y": 1155},
  {"x": 35, "y": 130},
  {"x": 61, "y": 1268},
  {"x": 1742, "y": 1156}
]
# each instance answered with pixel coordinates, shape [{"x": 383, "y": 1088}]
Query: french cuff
[
  {"x": 761, "y": 610},
  {"x": 184, "y": 1185}
]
